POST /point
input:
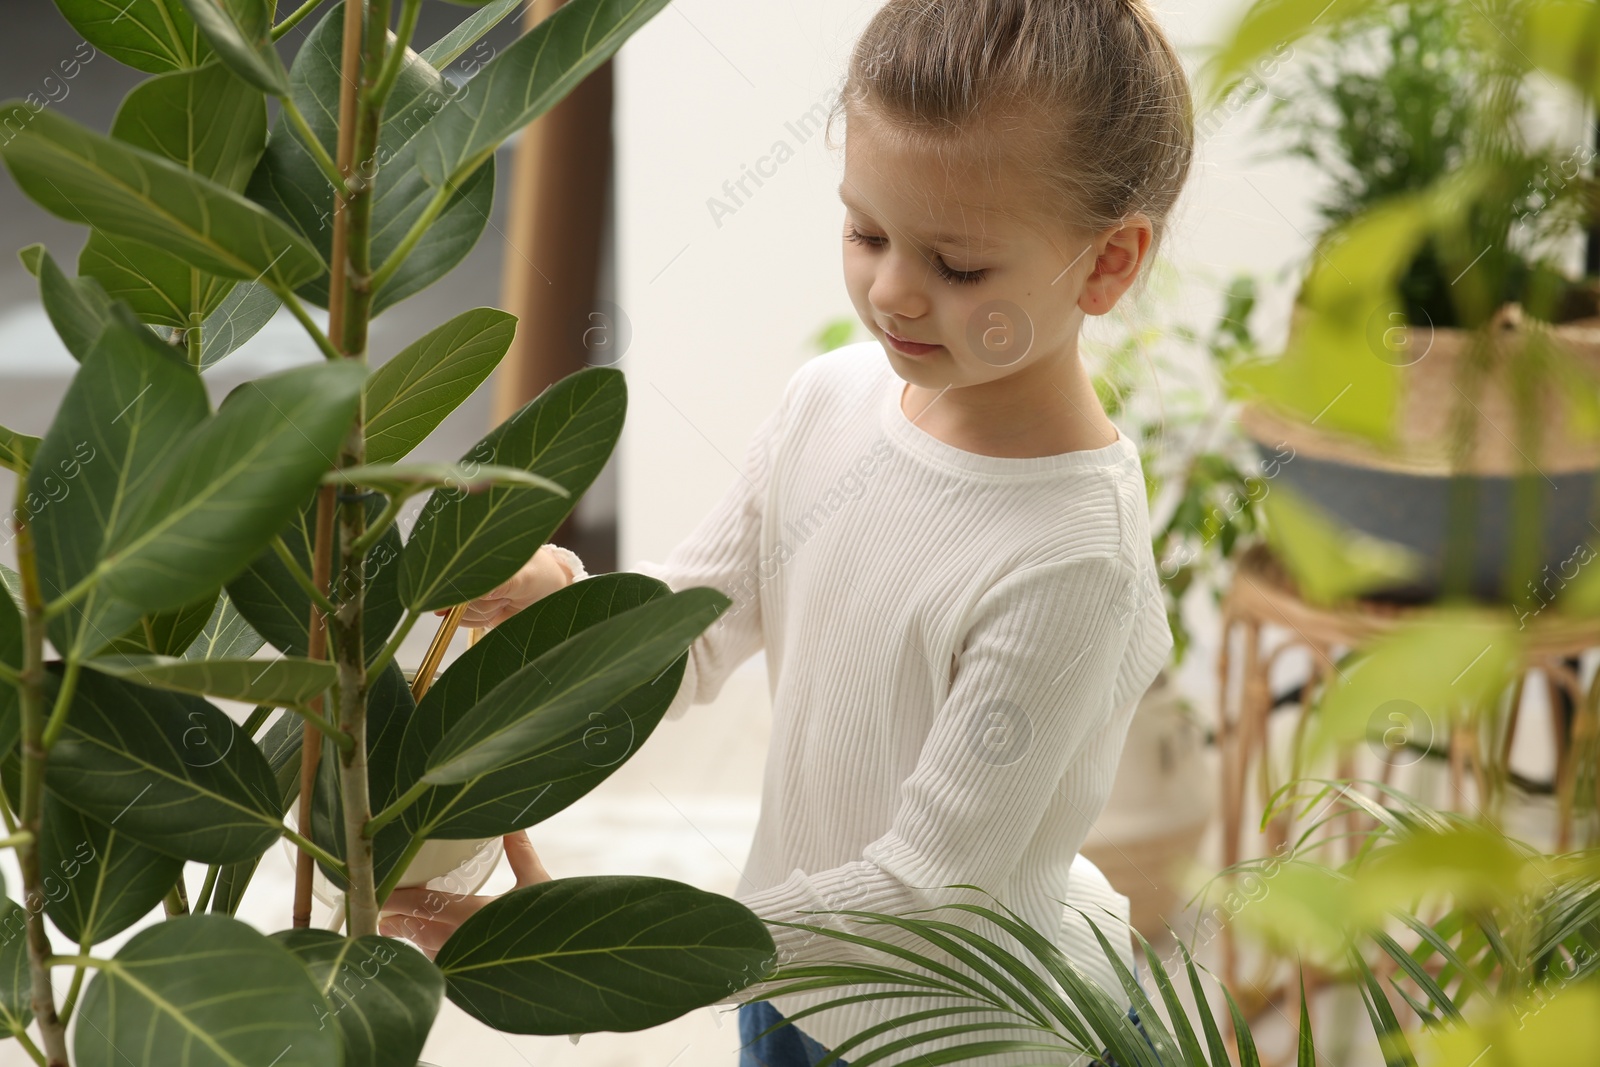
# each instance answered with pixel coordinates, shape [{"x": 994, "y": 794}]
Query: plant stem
[
  {"x": 30, "y": 1047},
  {"x": 310, "y": 741},
  {"x": 318, "y": 597},
  {"x": 429, "y": 216},
  {"x": 388, "y": 814},
  {"x": 5, "y": 812},
  {"x": 261, "y": 714},
  {"x": 349, "y": 113},
  {"x": 352, "y": 274},
  {"x": 77, "y": 983},
  {"x": 383, "y": 658},
  {"x": 73, "y": 595},
  {"x": 386, "y": 517},
  {"x": 324, "y": 161},
  {"x": 336, "y": 735},
  {"x": 52, "y": 1032},
  {"x": 317, "y": 851},
  {"x": 17, "y": 840},
  {"x": 176, "y": 900},
  {"x": 397, "y": 56},
  {"x": 393, "y": 878},
  {"x": 58, "y": 714},
  {"x": 203, "y": 901},
  {"x": 78, "y": 961},
  {"x": 292, "y": 20},
  {"x": 192, "y": 337},
  {"x": 298, "y": 310}
]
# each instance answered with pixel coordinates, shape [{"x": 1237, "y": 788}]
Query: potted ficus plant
[
  {"x": 1439, "y": 269},
  {"x": 162, "y": 544}
]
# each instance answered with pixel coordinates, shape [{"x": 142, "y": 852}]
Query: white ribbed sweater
[{"x": 955, "y": 644}]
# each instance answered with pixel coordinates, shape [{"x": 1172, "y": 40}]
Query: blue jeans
[
  {"x": 1108, "y": 1060},
  {"x": 786, "y": 1046}
]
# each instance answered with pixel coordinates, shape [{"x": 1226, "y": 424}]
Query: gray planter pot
[{"x": 1403, "y": 496}]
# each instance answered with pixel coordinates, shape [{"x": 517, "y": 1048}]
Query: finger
[{"x": 524, "y": 860}]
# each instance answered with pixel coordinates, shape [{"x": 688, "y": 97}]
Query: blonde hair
[{"x": 1106, "y": 121}]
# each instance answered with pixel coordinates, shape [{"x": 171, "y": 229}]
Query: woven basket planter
[{"x": 1403, "y": 495}]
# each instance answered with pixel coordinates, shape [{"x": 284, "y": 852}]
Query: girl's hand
[
  {"x": 427, "y": 917},
  {"x": 539, "y": 577}
]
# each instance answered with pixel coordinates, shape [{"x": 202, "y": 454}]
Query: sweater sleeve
[
  {"x": 723, "y": 552},
  {"x": 1031, "y": 711}
]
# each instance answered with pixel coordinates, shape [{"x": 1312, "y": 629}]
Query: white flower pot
[{"x": 460, "y": 867}]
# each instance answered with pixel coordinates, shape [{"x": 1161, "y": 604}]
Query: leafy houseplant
[
  {"x": 160, "y": 544},
  {"x": 1202, "y": 489},
  {"x": 1439, "y": 273}
]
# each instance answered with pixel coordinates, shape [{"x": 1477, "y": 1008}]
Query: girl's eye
[{"x": 852, "y": 234}]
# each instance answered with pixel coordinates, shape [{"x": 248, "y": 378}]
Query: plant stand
[{"x": 1261, "y": 592}]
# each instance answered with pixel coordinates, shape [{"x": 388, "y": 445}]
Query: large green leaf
[
  {"x": 524, "y": 81},
  {"x": 168, "y": 769},
  {"x": 281, "y": 745},
  {"x": 84, "y": 177},
  {"x": 241, "y": 33},
  {"x": 205, "y": 120},
  {"x": 107, "y": 881},
  {"x": 448, "y": 48},
  {"x": 410, "y": 395},
  {"x": 167, "y": 633},
  {"x": 1267, "y": 26},
  {"x": 161, "y": 289},
  {"x": 247, "y": 308},
  {"x": 405, "y": 480},
  {"x": 463, "y": 545},
  {"x": 231, "y": 484},
  {"x": 384, "y": 993},
  {"x": 225, "y": 635},
  {"x": 548, "y": 705},
  {"x": 151, "y": 35},
  {"x": 285, "y": 681},
  {"x": 16, "y": 979},
  {"x": 123, "y": 413},
  {"x": 529, "y": 791},
  {"x": 16, "y": 450},
  {"x": 79, "y": 308},
  {"x": 291, "y": 184},
  {"x": 204, "y": 991},
  {"x": 576, "y": 955},
  {"x": 1558, "y": 37},
  {"x": 277, "y": 606},
  {"x": 389, "y": 708}
]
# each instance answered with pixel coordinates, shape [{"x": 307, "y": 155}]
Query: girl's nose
[{"x": 898, "y": 288}]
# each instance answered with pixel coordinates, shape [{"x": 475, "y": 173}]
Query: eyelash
[{"x": 945, "y": 272}]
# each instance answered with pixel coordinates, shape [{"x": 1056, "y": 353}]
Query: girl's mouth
[{"x": 910, "y": 348}]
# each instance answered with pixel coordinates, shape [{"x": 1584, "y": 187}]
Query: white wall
[{"x": 722, "y": 310}]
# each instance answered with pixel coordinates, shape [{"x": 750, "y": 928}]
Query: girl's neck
[{"x": 1045, "y": 409}]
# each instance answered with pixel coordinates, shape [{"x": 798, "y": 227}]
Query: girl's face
[{"x": 939, "y": 249}]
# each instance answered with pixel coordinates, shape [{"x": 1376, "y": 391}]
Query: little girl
[{"x": 939, "y": 538}]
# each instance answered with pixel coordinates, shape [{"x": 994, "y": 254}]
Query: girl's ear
[{"x": 1119, "y": 251}]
